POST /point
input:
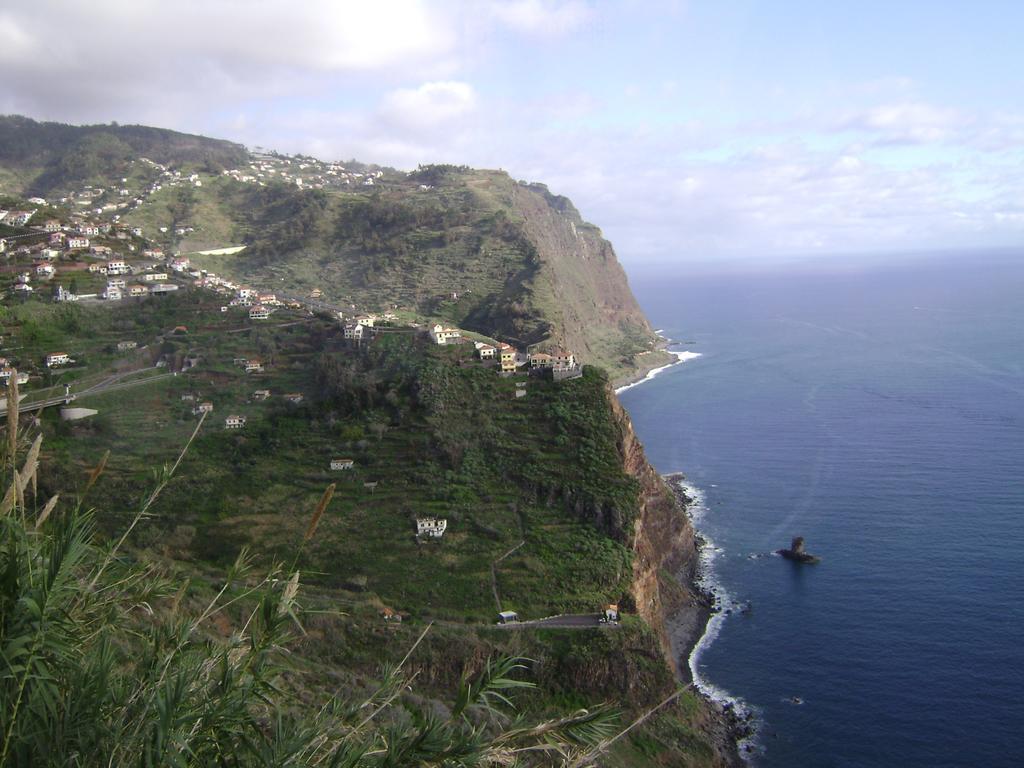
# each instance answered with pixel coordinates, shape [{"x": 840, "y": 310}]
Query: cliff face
[
  {"x": 665, "y": 554},
  {"x": 580, "y": 281}
]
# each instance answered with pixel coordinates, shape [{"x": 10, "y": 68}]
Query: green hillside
[
  {"x": 41, "y": 158},
  {"x": 539, "y": 477}
]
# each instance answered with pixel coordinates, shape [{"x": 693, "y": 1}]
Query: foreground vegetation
[{"x": 107, "y": 655}]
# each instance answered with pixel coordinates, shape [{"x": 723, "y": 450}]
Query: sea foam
[
  {"x": 681, "y": 357},
  {"x": 708, "y": 582}
]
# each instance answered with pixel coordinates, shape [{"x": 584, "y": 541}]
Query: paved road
[
  {"x": 569, "y": 621},
  {"x": 110, "y": 384}
]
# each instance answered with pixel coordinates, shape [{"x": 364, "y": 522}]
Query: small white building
[
  {"x": 485, "y": 351},
  {"x": 113, "y": 293},
  {"x": 204, "y": 407},
  {"x": 117, "y": 282},
  {"x": 5, "y": 376},
  {"x": 441, "y": 335},
  {"x": 150, "y": 277},
  {"x": 57, "y": 358},
  {"x": 434, "y": 527},
  {"x": 124, "y": 346},
  {"x": 354, "y": 332},
  {"x": 261, "y": 394},
  {"x": 75, "y": 242},
  {"x": 342, "y": 464},
  {"x": 258, "y": 312},
  {"x": 44, "y": 269},
  {"x": 253, "y": 366},
  {"x": 234, "y": 422},
  {"x": 117, "y": 267}
]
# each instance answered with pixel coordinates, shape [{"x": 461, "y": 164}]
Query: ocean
[{"x": 879, "y": 413}]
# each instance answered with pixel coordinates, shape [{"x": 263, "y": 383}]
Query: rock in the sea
[{"x": 796, "y": 552}]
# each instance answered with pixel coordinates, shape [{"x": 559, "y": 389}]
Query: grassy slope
[
  {"x": 479, "y": 250},
  {"x": 456, "y": 443}
]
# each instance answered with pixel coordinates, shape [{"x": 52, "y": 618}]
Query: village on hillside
[{"x": 67, "y": 252}]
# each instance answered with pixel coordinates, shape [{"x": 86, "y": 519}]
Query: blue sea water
[{"x": 878, "y": 412}]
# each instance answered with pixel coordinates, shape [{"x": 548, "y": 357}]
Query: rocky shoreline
[
  {"x": 686, "y": 622},
  {"x": 666, "y": 588}
]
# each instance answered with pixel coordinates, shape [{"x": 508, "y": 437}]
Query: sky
[{"x": 689, "y": 131}]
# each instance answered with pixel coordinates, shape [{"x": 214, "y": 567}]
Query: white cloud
[
  {"x": 907, "y": 123},
  {"x": 429, "y": 105},
  {"x": 544, "y": 18},
  {"x": 147, "y": 59}
]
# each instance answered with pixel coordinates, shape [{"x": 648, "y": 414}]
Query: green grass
[{"x": 439, "y": 434}]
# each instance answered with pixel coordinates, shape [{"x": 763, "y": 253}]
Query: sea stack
[{"x": 796, "y": 552}]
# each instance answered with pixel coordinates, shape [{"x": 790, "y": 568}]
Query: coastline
[
  {"x": 646, "y": 374},
  {"x": 693, "y": 612},
  {"x": 693, "y": 626}
]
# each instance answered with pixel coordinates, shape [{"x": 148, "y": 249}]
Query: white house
[
  {"x": 431, "y": 526},
  {"x": 137, "y": 290},
  {"x": 74, "y": 242},
  {"x": 485, "y": 351},
  {"x": 117, "y": 267},
  {"x": 253, "y": 366},
  {"x": 117, "y": 282},
  {"x": 57, "y": 358},
  {"x": 294, "y": 397},
  {"x": 45, "y": 269},
  {"x": 50, "y": 254},
  {"x": 204, "y": 407},
  {"x": 342, "y": 464},
  {"x": 152, "y": 277},
  {"x": 258, "y": 312},
  {"x": 124, "y": 346},
  {"x": 562, "y": 360},
  {"x": 261, "y": 394},
  {"x": 88, "y": 229},
  {"x": 113, "y": 293},
  {"x": 442, "y": 335},
  {"x": 354, "y": 332},
  {"x": 234, "y": 422},
  {"x": 5, "y": 376},
  {"x": 248, "y": 293},
  {"x": 18, "y": 218}
]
